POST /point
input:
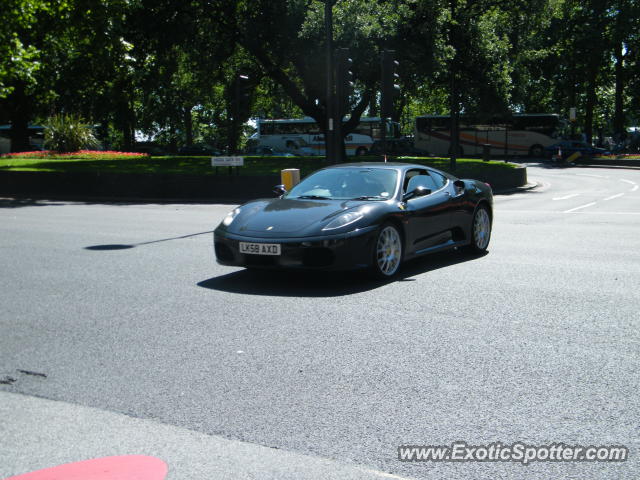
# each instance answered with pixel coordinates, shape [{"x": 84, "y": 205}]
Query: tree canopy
[{"x": 171, "y": 69}]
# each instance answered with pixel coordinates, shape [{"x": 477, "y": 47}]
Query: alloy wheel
[
  {"x": 481, "y": 229},
  {"x": 388, "y": 251}
]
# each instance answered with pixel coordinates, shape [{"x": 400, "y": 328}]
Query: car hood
[{"x": 297, "y": 217}]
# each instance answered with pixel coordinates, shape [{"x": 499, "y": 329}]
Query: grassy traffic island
[
  {"x": 116, "y": 173},
  {"x": 124, "y": 162}
]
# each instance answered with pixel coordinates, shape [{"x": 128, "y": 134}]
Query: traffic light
[
  {"x": 242, "y": 97},
  {"x": 240, "y": 108},
  {"x": 344, "y": 81},
  {"x": 390, "y": 78}
]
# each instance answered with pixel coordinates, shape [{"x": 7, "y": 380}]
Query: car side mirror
[
  {"x": 279, "y": 190},
  {"x": 415, "y": 193},
  {"x": 459, "y": 186}
]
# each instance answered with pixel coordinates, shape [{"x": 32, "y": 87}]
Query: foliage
[
  {"x": 168, "y": 68},
  {"x": 20, "y": 58},
  {"x": 30, "y": 33},
  {"x": 68, "y": 133}
]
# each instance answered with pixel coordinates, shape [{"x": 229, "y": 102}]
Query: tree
[
  {"x": 632, "y": 68},
  {"x": 170, "y": 68},
  {"x": 18, "y": 56},
  {"x": 287, "y": 39},
  {"x": 95, "y": 71},
  {"x": 29, "y": 34},
  {"x": 625, "y": 41},
  {"x": 180, "y": 65}
]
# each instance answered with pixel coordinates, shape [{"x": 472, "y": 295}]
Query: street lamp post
[
  {"x": 329, "y": 138},
  {"x": 454, "y": 145},
  {"x": 240, "y": 105}
]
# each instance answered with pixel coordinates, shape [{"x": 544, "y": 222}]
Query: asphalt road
[{"x": 121, "y": 307}]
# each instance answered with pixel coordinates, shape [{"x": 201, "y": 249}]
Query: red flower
[{"x": 92, "y": 154}]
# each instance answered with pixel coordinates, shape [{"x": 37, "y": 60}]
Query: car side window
[
  {"x": 438, "y": 180},
  {"x": 409, "y": 175},
  {"x": 419, "y": 178},
  {"x": 421, "y": 181}
]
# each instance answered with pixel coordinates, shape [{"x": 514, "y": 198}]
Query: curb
[
  {"x": 40, "y": 433},
  {"x": 524, "y": 188},
  {"x": 616, "y": 166},
  {"x": 167, "y": 188},
  {"x": 123, "y": 187}
]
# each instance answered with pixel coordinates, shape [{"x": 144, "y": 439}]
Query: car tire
[
  {"x": 536, "y": 151},
  {"x": 480, "y": 230},
  {"x": 361, "y": 151},
  {"x": 387, "y": 252}
]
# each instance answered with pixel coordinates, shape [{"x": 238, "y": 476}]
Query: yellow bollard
[
  {"x": 290, "y": 177},
  {"x": 573, "y": 157}
]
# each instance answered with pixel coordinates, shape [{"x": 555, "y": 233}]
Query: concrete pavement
[{"x": 39, "y": 433}]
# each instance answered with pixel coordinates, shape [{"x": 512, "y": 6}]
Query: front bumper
[{"x": 344, "y": 251}]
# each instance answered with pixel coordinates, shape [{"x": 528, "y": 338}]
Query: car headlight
[
  {"x": 230, "y": 217},
  {"x": 343, "y": 220}
]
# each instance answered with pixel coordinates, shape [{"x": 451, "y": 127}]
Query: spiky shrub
[{"x": 68, "y": 133}]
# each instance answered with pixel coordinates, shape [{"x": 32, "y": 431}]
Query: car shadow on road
[
  {"x": 291, "y": 283},
  {"x": 123, "y": 246}
]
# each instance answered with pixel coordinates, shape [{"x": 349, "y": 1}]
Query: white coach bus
[
  {"x": 517, "y": 134},
  {"x": 303, "y": 136}
]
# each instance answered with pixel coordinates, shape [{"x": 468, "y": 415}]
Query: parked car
[
  {"x": 569, "y": 147},
  {"x": 267, "y": 152},
  {"x": 396, "y": 147},
  {"x": 149, "y": 148},
  {"x": 198, "y": 150},
  {"x": 359, "y": 215},
  {"x": 298, "y": 146}
]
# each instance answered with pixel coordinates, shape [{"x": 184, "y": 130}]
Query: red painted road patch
[{"x": 123, "y": 467}]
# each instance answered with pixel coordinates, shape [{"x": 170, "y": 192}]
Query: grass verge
[{"x": 466, "y": 168}]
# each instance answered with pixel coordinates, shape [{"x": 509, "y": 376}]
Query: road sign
[{"x": 227, "y": 161}]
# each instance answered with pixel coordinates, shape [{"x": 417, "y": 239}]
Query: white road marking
[
  {"x": 566, "y": 196},
  {"x": 591, "y": 175},
  {"x": 630, "y": 182},
  {"x": 580, "y": 207},
  {"x": 614, "y": 196},
  {"x": 558, "y": 212},
  {"x": 608, "y": 213}
]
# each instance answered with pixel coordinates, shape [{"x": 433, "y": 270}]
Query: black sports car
[{"x": 359, "y": 215}]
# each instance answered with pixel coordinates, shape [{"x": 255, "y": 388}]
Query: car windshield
[{"x": 348, "y": 183}]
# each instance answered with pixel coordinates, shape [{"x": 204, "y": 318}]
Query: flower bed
[{"x": 82, "y": 154}]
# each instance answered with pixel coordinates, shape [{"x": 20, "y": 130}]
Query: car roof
[{"x": 394, "y": 165}]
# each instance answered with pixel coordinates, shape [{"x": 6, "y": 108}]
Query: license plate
[{"x": 260, "y": 248}]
